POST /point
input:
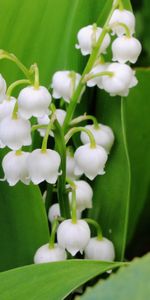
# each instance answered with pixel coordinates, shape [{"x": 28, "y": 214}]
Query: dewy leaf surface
[{"x": 51, "y": 281}]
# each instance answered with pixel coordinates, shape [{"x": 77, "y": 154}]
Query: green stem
[
  {"x": 121, "y": 6},
  {"x": 97, "y": 227},
  {"x": 74, "y": 130},
  {"x": 12, "y": 57},
  {"x": 80, "y": 88},
  {"x": 14, "y": 84},
  {"x": 34, "y": 68},
  {"x": 45, "y": 139},
  {"x": 84, "y": 118},
  {"x": 92, "y": 76},
  {"x": 36, "y": 127},
  {"x": 53, "y": 233},
  {"x": 73, "y": 200},
  {"x": 127, "y": 30},
  {"x": 15, "y": 111}
]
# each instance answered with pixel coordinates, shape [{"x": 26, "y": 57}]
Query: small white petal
[
  {"x": 15, "y": 133},
  {"x": 85, "y": 38},
  {"x": 43, "y": 166},
  {"x": 100, "y": 250},
  {"x": 120, "y": 82},
  {"x": 84, "y": 194},
  {"x": 62, "y": 84},
  {"x": 126, "y": 49},
  {"x": 46, "y": 254},
  {"x": 73, "y": 237},
  {"x": 15, "y": 167},
  {"x": 122, "y": 16},
  {"x": 91, "y": 161},
  {"x": 6, "y": 107},
  {"x": 2, "y": 88},
  {"x": 33, "y": 102}
]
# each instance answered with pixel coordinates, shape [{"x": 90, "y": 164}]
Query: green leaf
[
  {"x": 50, "y": 281},
  {"x": 130, "y": 283},
  {"x": 121, "y": 193},
  {"x": 23, "y": 224}
]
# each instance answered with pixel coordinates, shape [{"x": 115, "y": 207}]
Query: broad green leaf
[
  {"x": 23, "y": 225},
  {"x": 121, "y": 193},
  {"x": 52, "y": 281},
  {"x": 130, "y": 283}
]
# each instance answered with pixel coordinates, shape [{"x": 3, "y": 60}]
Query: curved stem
[
  {"x": 84, "y": 118},
  {"x": 10, "y": 56},
  {"x": 127, "y": 30},
  {"x": 97, "y": 226},
  {"x": 92, "y": 76},
  {"x": 53, "y": 233},
  {"x": 74, "y": 130},
  {"x": 14, "y": 84},
  {"x": 36, "y": 127},
  {"x": 73, "y": 200},
  {"x": 81, "y": 86},
  {"x": 15, "y": 111}
]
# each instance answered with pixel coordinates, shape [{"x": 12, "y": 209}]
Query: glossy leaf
[
  {"x": 50, "y": 281},
  {"x": 130, "y": 283}
]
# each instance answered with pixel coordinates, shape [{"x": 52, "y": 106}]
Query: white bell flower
[
  {"x": 1, "y": 145},
  {"x": 15, "y": 133},
  {"x": 43, "y": 166},
  {"x": 87, "y": 38},
  {"x": 121, "y": 81},
  {"x": 126, "y": 49},
  {"x": 46, "y": 254},
  {"x": 100, "y": 249},
  {"x": 64, "y": 83},
  {"x": 33, "y": 102},
  {"x": 97, "y": 80},
  {"x": 2, "y": 88},
  {"x": 6, "y": 107},
  {"x": 73, "y": 237},
  {"x": 90, "y": 161},
  {"x": 103, "y": 136},
  {"x": 15, "y": 167},
  {"x": 54, "y": 212},
  {"x": 60, "y": 116},
  {"x": 84, "y": 194},
  {"x": 122, "y": 16}
]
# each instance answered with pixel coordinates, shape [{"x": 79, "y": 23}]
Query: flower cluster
[{"x": 36, "y": 109}]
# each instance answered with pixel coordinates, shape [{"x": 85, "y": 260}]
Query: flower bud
[
  {"x": 84, "y": 194},
  {"x": 64, "y": 83},
  {"x": 15, "y": 167},
  {"x": 103, "y": 136},
  {"x": 122, "y": 79},
  {"x": 6, "y": 107},
  {"x": 46, "y": 254},
  {"x": 88, "y": 37},
  {"x": 100, "y": 249},
  {"x": 15, "y": 133},
  {"x": 90, "y": 161},
  {"x": 2, "y": 88},
  {"x": 33, "y": 102},
  {"x": 54, "y": 212},
  {"x": 126, "y": 49},
  {"x": 60, "y": 116},
  {"x": 122, "y": 16},
  {"x": 97, "y": 80},
  {"x": 73, "y": 237},
  {"x": 43, "y": 166}
]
